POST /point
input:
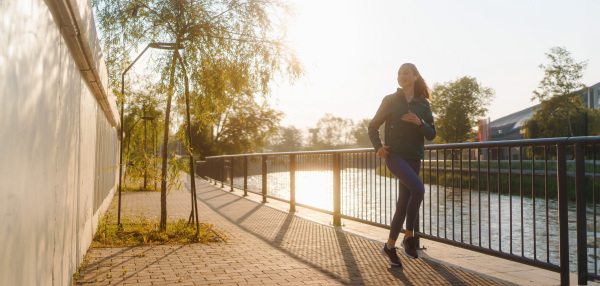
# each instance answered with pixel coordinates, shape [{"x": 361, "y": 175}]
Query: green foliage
[
  {"x": 181, "y": 164},
  {"x": 360, "y": 135},
  {"x": 235, "y": 45},
  {"x": 229, "y": 48},
  {"x": 593, "y": 122},
  {"x": 143, "y": 124},
  {"x": 288, "y": 139},
  {"x": 457, "y": 106},
  {"x": 561, "y": 75},
  {"x": 245, "y": 126},
  {"x": 242, "y": 127},
  {"x": 76, "y": 274},
  {"x": 332, "y": 133},
  {"x": 553, "y": 119},
  {"x": 146, "y": 232},
  {"x": 562, "y": 111}
]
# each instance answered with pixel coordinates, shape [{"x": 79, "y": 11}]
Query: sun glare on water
[{"x": 315, "y": 189}]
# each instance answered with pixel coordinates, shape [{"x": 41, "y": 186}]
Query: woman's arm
[
  {"x": 428, "y": 127},
  {"x": 374, "y": 125}
]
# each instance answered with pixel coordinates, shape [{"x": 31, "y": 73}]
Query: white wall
[{"x": 58, "y": 142}]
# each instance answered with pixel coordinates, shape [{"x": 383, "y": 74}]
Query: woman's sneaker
[
  {"x": 391, "y": 255},
  {"x": 410, "y": 247}
]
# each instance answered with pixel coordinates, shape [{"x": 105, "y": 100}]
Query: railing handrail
[
  {"x": 294, "y": 153},
  {"x": 464, "y": 145}
]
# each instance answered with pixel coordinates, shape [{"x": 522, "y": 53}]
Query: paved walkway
[{"x": 265, "y": 246}]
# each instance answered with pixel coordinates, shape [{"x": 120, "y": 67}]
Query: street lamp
[{"x": 160, "y": 46}]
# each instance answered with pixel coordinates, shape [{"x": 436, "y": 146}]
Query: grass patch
[
  {"x": 145, "y": 232},
  {"x": 86, "y": 260}
]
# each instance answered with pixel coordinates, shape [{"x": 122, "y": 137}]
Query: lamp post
[
  {"x": 145, "y": 145},
  {"x": 160, "y": 46},
  {"x": 146, "y": 118},
  {"x": 154, "y": 148}
]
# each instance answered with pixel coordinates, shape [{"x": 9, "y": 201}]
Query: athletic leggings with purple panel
[{"x": 410, "y": 193}]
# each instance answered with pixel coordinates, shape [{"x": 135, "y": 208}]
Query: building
[{"x": 509, "y": 126}]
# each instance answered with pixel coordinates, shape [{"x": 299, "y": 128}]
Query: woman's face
[{"x": 406, "y": 77}]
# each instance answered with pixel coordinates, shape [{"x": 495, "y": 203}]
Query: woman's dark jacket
[{"x": 404, "y": 138}]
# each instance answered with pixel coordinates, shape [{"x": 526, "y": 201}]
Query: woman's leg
[
  {"x": 399, "y": 214},
  {"x": 410, "y": 195}
]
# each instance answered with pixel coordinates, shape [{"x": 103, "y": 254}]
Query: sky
[{"x": 352, "y": 50}]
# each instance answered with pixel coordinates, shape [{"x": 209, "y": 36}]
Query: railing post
[
  {"x": 337, "y": 166},
  {"x": 231, "y": 183},
  {"x": 292, "y": 183},
  {"x": 245, "y": 176},
  {"x": 209, "y": 170},
  {"x": 222, "y": 172},
  {"x": 563, "y": 221},
  {"x": 582, "y": 270},
  {"x": 264, "y": 179},
  {"x": 215, "y": 171}
]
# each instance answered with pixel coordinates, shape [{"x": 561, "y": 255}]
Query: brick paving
[{"x": 265, "y": 246}]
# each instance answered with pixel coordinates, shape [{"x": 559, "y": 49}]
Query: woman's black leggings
[{"x": 410, "y": 193}]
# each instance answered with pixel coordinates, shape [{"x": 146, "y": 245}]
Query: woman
[{"x": 408, "y": 120}]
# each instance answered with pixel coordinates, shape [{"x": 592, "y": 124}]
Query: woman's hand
[
  {"x": 413, "y": 118},
  {"x": 382, "y": 152}
]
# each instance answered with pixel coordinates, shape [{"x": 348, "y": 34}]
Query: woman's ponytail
[{"x": 420, "y": 87}]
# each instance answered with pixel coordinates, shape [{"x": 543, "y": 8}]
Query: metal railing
[{"x": 530, "y": 201}]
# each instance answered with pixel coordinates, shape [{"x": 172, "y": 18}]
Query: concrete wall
[{"x": 58, "y": 139}]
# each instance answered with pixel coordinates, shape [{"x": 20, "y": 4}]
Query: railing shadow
[{"x": 341, "y": 256}]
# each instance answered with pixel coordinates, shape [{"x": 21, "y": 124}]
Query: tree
[
  {"x": 457, "y": 105},
  {"x": 230, "y": 47},
  {"x": 561, "y": 75},
  {"x": 552, "y": 120},
  {"x": 360, "y": 135},
  {"x": 289, "y": 139},
  {"x": 593, "y": 122},
  {"x": 559, "y": 95},
  {"x": 142, "y": 125},
  {"x": 244, "y": 126},
  {"x": 332, "y": 133},
  {"x": 241, "y": 128}
]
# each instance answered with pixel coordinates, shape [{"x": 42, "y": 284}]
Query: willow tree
[
  {"x": 229, "y": 47},
  {"x": 242, "y": 127}
]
